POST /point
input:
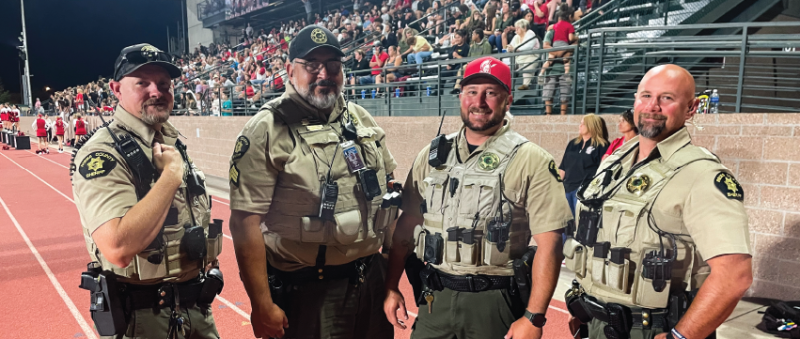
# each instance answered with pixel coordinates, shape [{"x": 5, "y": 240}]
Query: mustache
[
  {"x": 479, "y": 110},
  {"x": 151, "y": 102},
  {"x": 323, "y": 82},
  {"x": 652, "y": 116}
]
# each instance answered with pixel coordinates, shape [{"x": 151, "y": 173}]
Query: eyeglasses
[{"x": 314, "y": 67}]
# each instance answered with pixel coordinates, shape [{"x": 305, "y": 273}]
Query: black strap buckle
[{"x": 487, "y": 283}]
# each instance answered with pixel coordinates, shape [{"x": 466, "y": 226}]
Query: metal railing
[{"x": 753, "y": 66}]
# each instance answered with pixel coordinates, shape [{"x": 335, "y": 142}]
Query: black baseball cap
[
  {"x": 310, "y": 38},
  {"x": 133, "y": 57}
]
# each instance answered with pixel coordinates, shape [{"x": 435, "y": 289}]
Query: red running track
[{"x": 42, "y": 253}]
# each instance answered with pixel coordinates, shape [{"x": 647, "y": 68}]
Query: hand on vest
[
  {"x": 168, "y": 161},
  {"x": 268, "y": 321},
  {"x": 523, "y": 329},
  {"x": 394, "y": 302}
]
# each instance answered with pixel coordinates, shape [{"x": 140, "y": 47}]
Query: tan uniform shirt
[
  {"x": 692, "y": 203},
  {"x": 104, "y": 189},
  {"x": 531, "y": 182},
  {"x": 276, "y": 158}
]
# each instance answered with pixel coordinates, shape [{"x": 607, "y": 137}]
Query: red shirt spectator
[
  {"x": 277, "y": 81},
  {"x": 615, "y": 144},
  {"x": 249, "y": 91},
  {"x": 561, "y": 31},
  {"x": 543, "y": 20},
  {"x": 383, "y": 57}
]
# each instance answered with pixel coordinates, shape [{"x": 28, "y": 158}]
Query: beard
[
  {"x": 480, "y": 126},
  {"x": 155, "y": 111},
  {"x": 651, "y": 130},
  {"x": 328, "y": 96}
]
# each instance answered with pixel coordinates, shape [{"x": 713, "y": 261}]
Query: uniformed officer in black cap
[{"x": 305, "y": 230}]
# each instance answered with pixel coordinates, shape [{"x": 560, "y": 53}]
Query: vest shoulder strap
[
  {"x": 507, "y": 143},
  {"x": 689, "y": 154}
]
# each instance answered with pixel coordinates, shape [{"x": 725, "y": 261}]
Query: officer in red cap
[{"x": 479, "y": 195}]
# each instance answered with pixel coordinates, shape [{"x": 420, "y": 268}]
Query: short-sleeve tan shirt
[
  {"x": 271, "y": 160},
  {"x": 530, "y": 178}
]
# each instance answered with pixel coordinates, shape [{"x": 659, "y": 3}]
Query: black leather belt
[
  {"x": 642, "y": 317},
  {"x": 474, "y": 282},
  {"x": 150, "y": 296},
  {"x": 353, "y": 270}
]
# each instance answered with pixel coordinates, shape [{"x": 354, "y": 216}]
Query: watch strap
[{"x": 537, "y": 319}]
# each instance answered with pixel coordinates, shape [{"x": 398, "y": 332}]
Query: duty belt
[
  {"x": 353, "y": 270},
  {"x": 641, "y": 317},
  {"x": 474, "y": 282},
  {"x": 161, "y": 295}
]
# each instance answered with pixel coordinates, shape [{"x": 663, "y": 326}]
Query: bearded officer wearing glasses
[
  {"x": 145, "y": 213},
  {"x": 307, "y": 178}
]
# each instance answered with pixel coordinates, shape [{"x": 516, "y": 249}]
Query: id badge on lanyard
[{"x": 353, "y": 158}]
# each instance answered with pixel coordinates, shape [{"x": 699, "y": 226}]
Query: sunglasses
[{"x": 141, "y": 57}]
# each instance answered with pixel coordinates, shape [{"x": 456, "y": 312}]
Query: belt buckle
[{"x": 471, "y": 282}]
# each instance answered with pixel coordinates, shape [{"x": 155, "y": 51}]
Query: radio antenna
[{"x": 439, "y": 132}]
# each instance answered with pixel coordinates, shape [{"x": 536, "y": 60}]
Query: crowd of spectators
[{"x": 380, "y": 39}]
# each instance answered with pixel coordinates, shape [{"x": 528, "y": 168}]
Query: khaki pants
[
  {"x": 487, "y": 314},
  {"x": 150, "y": 323},
  {"x": 596, "y": 331},
  {"x": 337, "y": 309}
]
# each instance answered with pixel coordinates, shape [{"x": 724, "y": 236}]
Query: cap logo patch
[
  {"x": 486, "y": 66},
  {"x": 149, "y": 48},
  {"x": 318, "y": 36}
]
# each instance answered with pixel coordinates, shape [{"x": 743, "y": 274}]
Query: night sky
[{"x": 72, "y": 42}]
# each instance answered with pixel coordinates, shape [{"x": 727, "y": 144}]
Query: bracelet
[{"x": 674, "y": 334}]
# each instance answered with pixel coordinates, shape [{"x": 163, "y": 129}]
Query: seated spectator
[
  {"x": 524, "y": 40},
  {"x": 419, "y": 50},
  {"x": 277, "y": 83},
  {"x": 505, "y": 23},
  {"x": 227, "y": 106},
  {"x": 379, "y": 58},
  {"x": 392, "y": 73},
  {"x": 479, "y": 46},
  {"x": 360, "y": 64}
]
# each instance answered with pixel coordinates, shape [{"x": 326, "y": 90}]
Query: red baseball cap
[{"x": 488, "y": 67}]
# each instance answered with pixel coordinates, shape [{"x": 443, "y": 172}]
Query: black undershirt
[{"x": 472, "y": 148}]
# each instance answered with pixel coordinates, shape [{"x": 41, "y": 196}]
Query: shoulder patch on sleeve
[
  {"x": 233, "y": 174},
  {"x": 242, "y": 145},
  {"x": 554, "y": 170},
  {"x": 727, "y": 184},
  {"x": 97, "y": 164}
]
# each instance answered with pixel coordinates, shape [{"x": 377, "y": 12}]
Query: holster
[
  {"x": 106, "y": 306},
  {"x": 279, "y": 290},
  {"x": 430, "y": 283},
  {"x": 414, "y": 267},
  {"x": 522, "y": 274}
]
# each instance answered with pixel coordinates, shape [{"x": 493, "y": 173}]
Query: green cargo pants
[
  {"x": 467, "y": 315},
  {"x": 596, "y": 331},
  {"x": 154, "y": 323},
  {"x": 338, "y": 309}
]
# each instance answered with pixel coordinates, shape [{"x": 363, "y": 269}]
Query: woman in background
[
  {"x": 583, "y": 156},
  {"x": 628, "y": 129}
]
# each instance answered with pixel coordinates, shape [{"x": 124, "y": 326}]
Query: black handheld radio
[{"x": 440, "y": 147}]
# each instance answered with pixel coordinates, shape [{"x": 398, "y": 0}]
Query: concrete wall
[
  {"x": 196, "y": 33},
  {"x": 761, "y": 149}
]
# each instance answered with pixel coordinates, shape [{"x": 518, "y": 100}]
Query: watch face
[{"x": 537, "y": 319}]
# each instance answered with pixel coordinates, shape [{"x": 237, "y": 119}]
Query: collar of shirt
[
  {"x": 144, "y": 131},
  {"x": 463, "y": 147},
  {"x": 667, "y": 147},
  {"x": 292, "y": 93}
]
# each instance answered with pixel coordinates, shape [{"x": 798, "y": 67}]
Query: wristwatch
[{"x": 537, "y": 319}]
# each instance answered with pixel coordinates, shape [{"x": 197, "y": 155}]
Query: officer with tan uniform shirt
[
  {"x": 306, "y": 177},
  {"x": 145, "y": 219},
  {"x": 672, "y": 228},
  {"x": 478, "y": 211}
]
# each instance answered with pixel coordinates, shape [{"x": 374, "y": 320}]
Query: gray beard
[
  {"x": 651, "y": 131},
  {"x": 149, "y": 119},
  {"x": 324, "y": 101}
]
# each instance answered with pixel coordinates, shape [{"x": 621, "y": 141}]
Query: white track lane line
[
  {"x": 87, "y": 330},
  {"x": 45, "y": 158},
  {"x": 227, "y": 303}
]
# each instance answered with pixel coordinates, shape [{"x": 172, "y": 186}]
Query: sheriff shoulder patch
[
  {"x": 96, "y": 165},
  {"x": 233, "y": 174},
  {"x": 554, "y": 170},
  {"x": 727, "y": 184},
  {"x": 242, "y": 145}
]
